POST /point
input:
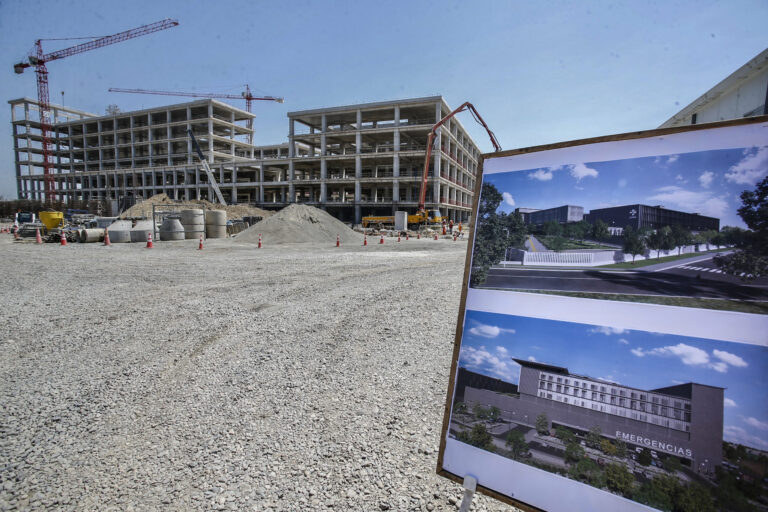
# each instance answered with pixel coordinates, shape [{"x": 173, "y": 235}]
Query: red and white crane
[
  {"x": 39, "y": 61},
  {"x": 245, "y": 95}
]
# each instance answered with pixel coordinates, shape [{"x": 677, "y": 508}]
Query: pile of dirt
[
  {"x": 235, "y": 211},
  {"x": 298, "y": 223}
]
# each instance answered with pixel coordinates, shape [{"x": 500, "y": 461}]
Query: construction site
[{"x": 136, "y": 386}]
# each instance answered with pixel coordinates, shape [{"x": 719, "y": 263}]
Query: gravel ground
[{"x": 287, "y": 378}]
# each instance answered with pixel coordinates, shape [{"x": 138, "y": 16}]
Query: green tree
[
  {"x": 480, "y": 412},
  {"x": 644, "y": 457},
  {"x": 660, "y": 492},
  {"x": 621, "y": 448},
  {"x": 586, "y": 470},
  {"x": 494, "y": 413},
  {"x": 495, "y": 233},
  {"x": 619, "y": 479},
  {"x": 694, "y": 498},
  {"x": 516, "y": 444},
  {"x": 672, "y": 464},
  {"x": 478, "y": 436},
  {"x": 607, "y": 447},
  {"x": 661, "y": 240},
  {"x": 574, "y": 452},
  {"x": 553, "y": 228},
  {"x": 634, "y": 243},
  {"x": 751, "y": 256},
  {"x": 565, "y": 435},
  {"x": 556, "y": 243},
  {"x": 460, "y": 408},
  {"x": 680, "y": 237},
  {"x": 594, "y": 437},
  {"x": 542, "y": 424},
  {"x": 600, "y": 231}
]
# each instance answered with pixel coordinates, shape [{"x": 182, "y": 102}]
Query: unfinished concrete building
[
  {"x": 368, "y": 159},
  {"x": 352, "y": 161}
]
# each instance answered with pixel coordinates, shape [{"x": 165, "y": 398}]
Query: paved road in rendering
[{"x": 693, "y": 277}]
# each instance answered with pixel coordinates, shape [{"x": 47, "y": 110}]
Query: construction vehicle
[
  {"x": 207, "y": 168},
  {"x": 423, "y": 216}
]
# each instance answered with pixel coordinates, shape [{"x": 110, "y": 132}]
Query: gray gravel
[{"x": 286, "y": 378}]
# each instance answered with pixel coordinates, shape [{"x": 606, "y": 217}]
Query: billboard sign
[{"x": 611, "y": 350}]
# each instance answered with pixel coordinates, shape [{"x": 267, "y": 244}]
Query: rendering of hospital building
[{"x": 684, "y": 420}]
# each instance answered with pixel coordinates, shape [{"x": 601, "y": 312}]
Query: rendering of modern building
[
  {"x": 560, "y": 214},
  {"x": 684, "y": 420},
  {"x": 352, "y": 161},
  {"x": 653, "y": 217},
  {"x": 744, "y": 93}
]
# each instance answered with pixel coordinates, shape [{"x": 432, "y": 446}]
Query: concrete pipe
[
  {"x": 193, "y": 221},
  {"x": 89, "y": 236},
  {"x": 171, "y": 229}
]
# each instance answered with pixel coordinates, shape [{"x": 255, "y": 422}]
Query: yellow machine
[{"x": 419, "y": 219}]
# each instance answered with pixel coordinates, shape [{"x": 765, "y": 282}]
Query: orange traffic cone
[
  {"x": 107, "y": 243},
  {"x": 443, "y": 228},
  {"x": 398, "y": 238},
  {"x": 259, "y": 241},
  {"x": 381, "y": 242},
  {"x": 454, "y": 238},
  {"x": 418, "y": 235},
  {"x": 150, "y": 245},
  {"x": 200, "y": 246},
  {"x": 38, "y": 239},
  {"x": 435, "y": 236},
  {"x": 365, "y": 239},
  {"x": 338, "y": 241},
  {"x": 406, "y": 237},
  {"x": 63, "y": 238}
]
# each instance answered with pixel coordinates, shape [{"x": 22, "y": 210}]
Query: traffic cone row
[
  {"x": 381, "y": 242},
  {"x": 259, "y": 241},
  {"x": 435, "y": 236},
  {"x": 200, "y": 246},
  {"x": 338, "y": 241},
  {"x": 38, "y": 238},
  {"x": 107, "y": 243},
  {"x": 150, "y": 245},
  {"x": 398, "y": 238},
  {"x": 365, "y": 240},
  {"x": 63, "y": 238}
]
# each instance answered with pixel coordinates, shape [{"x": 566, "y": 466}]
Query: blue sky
[
  {"x": 705, "y": 182},
  {"x": 538, "y": 72},
  {"x": 640, "y": 359}
]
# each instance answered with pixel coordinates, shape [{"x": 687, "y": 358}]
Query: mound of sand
[
  {"x": 235, "y": 211},
  {"x": 298, "y": 223}
]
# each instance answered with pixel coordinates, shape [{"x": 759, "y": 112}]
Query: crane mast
[{"x": 39, "y": 60}]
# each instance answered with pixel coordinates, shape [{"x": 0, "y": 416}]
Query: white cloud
[
  {"x": 508, "y": 198},
  {"x": 672, "y": 159},
  {"x": 541, "y": 174},
  {"x": 680, "y": 178},
  {"x": 704, "y": 202},
  {"x": 741, "y": 436},
  {"x": 480, "y": 359},
  {"x": 532, "y": 359},
  {"x": 752, "y": 167},
  {"x": 706, "y": 178},
  {"x": 603, "y": 329},
  {"x": 729, "y": 403},
  {"x": 623, "y": 341},
  {"x": 502, "y": 351},
  {"x": 489, "y": 331},
  {"x": 622, "y": 183},
  {"x": 728, "y": 358},
  {"x": 694, "y": 356},
  {"x": 580, "y": 171},
  {"x": 754, "y": 422}
]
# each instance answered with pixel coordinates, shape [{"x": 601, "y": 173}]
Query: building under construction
[{"x": 352, "y": 161}]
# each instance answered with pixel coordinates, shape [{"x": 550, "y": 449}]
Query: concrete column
[
  {"x": 358, "y": 135},
  {"x": 234, "y": 184},
  {"x": 395, "y": 191},
  {"x": 291, "y": 142},
  {"x": 397, "y": 115},
  {"x": 324, "y": 128},
  {"x": 323, "y": 169},
  {"x": 396, "y": 165},
  {"x": 323, "y": 193},
  {"x": 197, "y": 182},
  {"x": 358, "y": 167},
  {"x": 210, "y": 133}
]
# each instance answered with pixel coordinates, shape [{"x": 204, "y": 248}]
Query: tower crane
[
  {"x": 39, "y": 61},
  {"x": 245, "y": 95}
]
